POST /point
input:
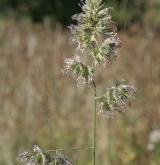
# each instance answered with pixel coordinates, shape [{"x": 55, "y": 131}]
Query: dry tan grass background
[{"x": 38, "y": 105}]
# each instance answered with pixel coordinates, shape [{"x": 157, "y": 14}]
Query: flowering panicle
[
  {"x": 96, "y": 35},
  {"x": 82, "y": 73},
  {"x": 34, "y": 157},
  {"x": 38, "y": 157},
  {"x": 95, "y": 32},
  {"x": 115, "y": 99}
]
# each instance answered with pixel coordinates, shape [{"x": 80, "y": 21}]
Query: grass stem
[{"x": 95, "y": 124}]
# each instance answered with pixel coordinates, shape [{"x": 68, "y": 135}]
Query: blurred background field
[{"x": 38, "y": 105}]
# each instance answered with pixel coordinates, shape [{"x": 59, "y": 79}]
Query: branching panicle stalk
[{"x": 96, "y": 35}]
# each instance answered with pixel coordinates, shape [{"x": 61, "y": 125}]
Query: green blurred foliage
[
  {"x": 59, "y": 10},
  {"x": 125, "y": 11}
]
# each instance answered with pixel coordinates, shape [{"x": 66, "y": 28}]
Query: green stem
[
  {"x": 70, "y": 149},
  {"x": 43, "y": 158},
  {"x": 95, "y": 124}
]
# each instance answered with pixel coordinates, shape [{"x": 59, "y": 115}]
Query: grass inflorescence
[{"x": 96, "y": 36}]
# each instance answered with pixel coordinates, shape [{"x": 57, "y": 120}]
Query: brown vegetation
[{"x": 40, "y": 106}]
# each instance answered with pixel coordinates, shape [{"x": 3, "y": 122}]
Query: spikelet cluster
[
  {"x": 95, "y": 34},
  {"x": 115, "y": 99},
  {"x": 39, "y": 157},
  {"x": 82, "y": 73}
]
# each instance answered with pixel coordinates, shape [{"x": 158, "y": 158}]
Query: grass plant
[{"x": 94, "y": 36}]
